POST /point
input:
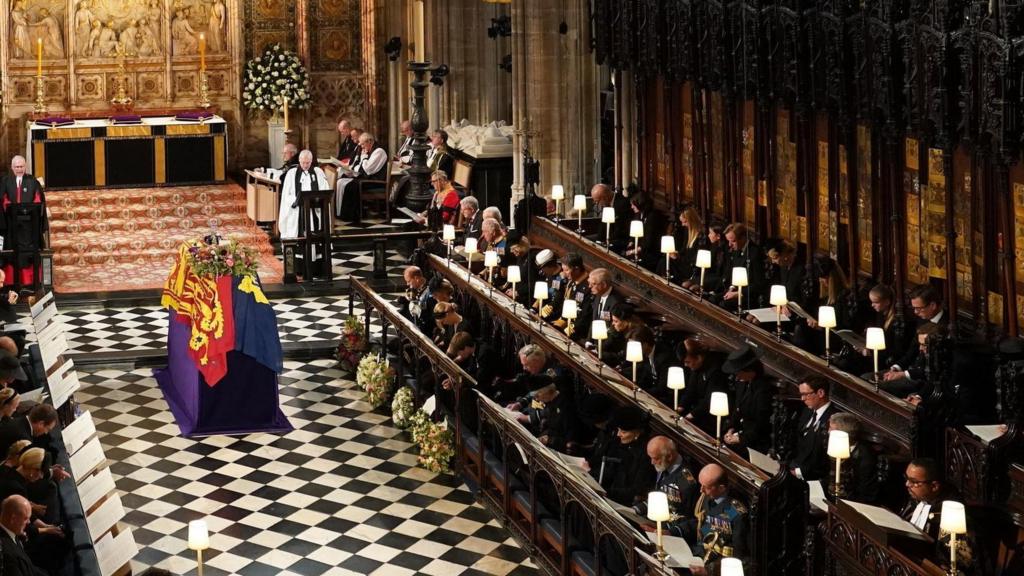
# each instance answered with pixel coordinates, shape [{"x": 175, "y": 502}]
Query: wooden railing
[{"x": 879, "y": 412}]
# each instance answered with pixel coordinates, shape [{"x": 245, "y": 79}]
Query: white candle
[{"x": 419, "y": 31}]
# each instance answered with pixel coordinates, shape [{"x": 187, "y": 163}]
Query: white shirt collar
[
  {"x": 938, "y": 317},
  {"x": 821, "y": 410}
]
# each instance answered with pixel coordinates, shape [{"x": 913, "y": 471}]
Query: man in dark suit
[
  {"x": 600, "y": 282},
  {"x": 860, "y": 471},
  {"x": 810, "y": 458},
  {"x": 35, "y": 427},
  {"x": 927, "y": 490},
  {"x": 472, "y": 217},
  {"x": 744, "y": 253},
  {"x": 15, "y": 514},
  {"x": 603, "y": 197},
  {"x": 20, "y": 187},
  {"x": 927, "y": 306},
  {"x": 347, "y": 146}
]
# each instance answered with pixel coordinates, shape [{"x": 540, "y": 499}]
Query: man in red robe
[{"x": 19, "y": 187}]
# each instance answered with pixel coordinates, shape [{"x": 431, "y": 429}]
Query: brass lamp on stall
[
  {"x": 540, "y": 294},
  {"x": 608, "y": 218},
  {"x": 953, "y": 521},
  {"x": 448, "y": 235},
  {"x": 514, "y": 276},
  {"x": 703, "y": 262},
  {"x": 558, "y": 194},
  {"x": 676, "y": 381},
  {"x": 827, "y": 320},
  {"x": 778, "y": 298},
  {"x": 719, "y": 408},
  {"x": 599, "y": 332},
  {"x": 739, "y": 280},
  {"x": 569, "y": 311},
  {"x": 579, "y": 204},
  {"x": 490, "y": 261},
  {"x": 668, "y": 248},
  {"x": 874, "y": 340},
  {"x": 634, "y": 355},
  {"x": 838, "y": 448},
  {"x": 658, "y": 512},
  {"x": 636, "y": 232},
  {"x": 198, "y": 540},
  {"x": 731, "y": 567}
]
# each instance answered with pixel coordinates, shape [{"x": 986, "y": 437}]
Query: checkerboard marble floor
[{"x": 341, "y": 494}]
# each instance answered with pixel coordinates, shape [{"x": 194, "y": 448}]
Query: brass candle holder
[
  {"x": 204, "y": 90},
  {"x": 40, "y": 106}
]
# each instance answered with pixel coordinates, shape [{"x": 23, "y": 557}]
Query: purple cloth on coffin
[
  {"x": 244, "y": 401},
  {"x": 126, "y": 119}
]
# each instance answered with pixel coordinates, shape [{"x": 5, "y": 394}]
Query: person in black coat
[
  {"x": 744, "y": 253},
  {"x": 859, "y": 472},
  {"x": 716, "y": 277},
  {"x": 472, "y": 217},
  {"x": 605, "y": 299},
  {"x": 648, "y": 248},
  {"x": 704, "y": 367},
  {"x": 15, "y": 513},
  {"x": 810, "y": 458},
  {"x": 20, "y": 187},
  {"x": 751, "y": 406},
  {"x": 603, "y": 197},
  {"x": 628, "y": 473}
]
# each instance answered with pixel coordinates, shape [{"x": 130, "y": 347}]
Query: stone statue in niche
[
  {"x": 215, "y": 33},
  {"x": 184, "y": 39},
  {"x": 21, "y": 41},
  {"x": 157, "y": 18},
  {"x": 53, "y": 39},
  {"x": 129, "y": 38},
  {"x": 84, "y": 19},
  {"x": 107, "y": 44},
  {"x": 148, "y": 42}
]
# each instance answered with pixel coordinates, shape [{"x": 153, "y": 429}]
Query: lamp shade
[
  {"x": 731, "y": 567},
  {"x": 569, "y": 309},
  {"x": 739, "y": 276},
  {"x": 676, "y": 378},
  {"x": 448, "y": 232},
  {"x": 668, "y": 244},
  {"x": 470, "y": 247},
  {"x": 703, "y": 259},
  {"x": 579, "y": 202},
  {"x": 599, "y": 330},
  {"x": 954, "y": 519},
  {"x": 636, "y": 229},
  {"x": 826, "y": 316},
  {"x": 513, "y": 274},
  {"x": 198, "y": 535},
  {"x": 557, "y": 192},
  {"x": 838, "y": 444},
  {"x": 608, "y": 215},
  {"x": 875, "y": 339},
  {"x": 777, "y": 297},
  {"x": 540, "y": 290},
  {"x": 490, "y": 258},
  {"x": 719, "y": 404},
  {"x": 657, "y": 507},
  {"x": 634, "y": 351}
]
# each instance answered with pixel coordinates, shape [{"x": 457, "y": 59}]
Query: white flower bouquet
[
  {"x": 375, "y": 376},
  {"x": 273, "y": 74},
  {"x": 402, "y": 407}
]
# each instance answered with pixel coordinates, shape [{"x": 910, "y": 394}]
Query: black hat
[
  {"x": 596, "y": 408},
  {"x": 739, "y": 359},
  {"x": 628, "y": 418},
  {"x": 10, "y": 367}
]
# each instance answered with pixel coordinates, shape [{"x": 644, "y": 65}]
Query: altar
[{"x": 158, "y": 151}]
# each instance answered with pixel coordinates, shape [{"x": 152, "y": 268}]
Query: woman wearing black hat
[
  {"x": 627, "y": 471},
  {"x": 705, "y": 376},
  {"x": 750, "y": 414}
]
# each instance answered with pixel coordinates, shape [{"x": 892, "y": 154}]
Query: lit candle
[
  {"x": 39, "y": 56},
  {"x": 202, "y": 52},
  {"x": 284, "y": 104},
  {"x": 419, "y": 38}
]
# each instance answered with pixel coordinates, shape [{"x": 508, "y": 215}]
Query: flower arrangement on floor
[
  {"x": 352, "y": 345},
  {"x": 275, "y": 73},
  {"x": 418, "y": 424},
  {"x": 375, "y": 376},
  {"x": 402, "y": 409},
  {"x": 437, "y": 447},
  {"x": 221, "y": 259}
]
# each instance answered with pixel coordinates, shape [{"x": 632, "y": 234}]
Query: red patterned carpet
[{"x": 126, "y": 239}]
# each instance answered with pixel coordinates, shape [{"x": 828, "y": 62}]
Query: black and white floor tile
[{"x": 341, "y": 494}]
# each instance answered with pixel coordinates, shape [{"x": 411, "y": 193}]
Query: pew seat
[
  {"x": 582, "y": 563},
  {"x": 551, "y": 533},
  {"x": 471, "y": 453},
  {"x": 495, "y": 470}
]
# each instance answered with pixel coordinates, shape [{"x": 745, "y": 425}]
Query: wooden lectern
[{"x": 316, "y": 233}]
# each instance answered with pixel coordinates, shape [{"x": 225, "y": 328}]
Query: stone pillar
[{"x": 629, "y": 130}]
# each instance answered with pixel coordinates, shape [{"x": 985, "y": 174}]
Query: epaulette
[
  {"x": 688, "y": 475},
  {"x": 551, "y": 373}
]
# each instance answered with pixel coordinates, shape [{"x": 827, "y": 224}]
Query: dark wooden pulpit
[{"x": 316, "y": 234}]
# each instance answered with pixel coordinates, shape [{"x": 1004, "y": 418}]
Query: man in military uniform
[
  {"x": 538, "y": 371},
  {"x": 547, "y": 263},
  {"x": 547, "y": 411},
  {"x": 719, "y": 528},
  {"x": 675, "y": 480},
  {"x": 418, "y": 303},
  {"x": 575, "y": 288}
]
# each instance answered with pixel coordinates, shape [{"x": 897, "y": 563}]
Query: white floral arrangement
[
  {"x": 437, "y": 447},
  {"x": 275, "y": 73},
  {"x": 375, "y": 376},
  {"x": 402, "y": 408}
]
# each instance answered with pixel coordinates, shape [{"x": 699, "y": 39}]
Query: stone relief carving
[
  {"x": 100, "y": 25},
  {"x": 39, "y": 20}
]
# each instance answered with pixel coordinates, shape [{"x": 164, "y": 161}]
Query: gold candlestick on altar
[
  {"x": 204, "y": 86},
  {"x": 122, "y": 99},
  {"x": 40, "y": 107}
]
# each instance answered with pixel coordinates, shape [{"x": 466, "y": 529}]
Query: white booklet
[
  {"x": 987, "y": 432},
  {"x": 767, "y": 315},
  {"x": 680, "y": 555},
  {"x": 764, "y": 462},
  {"x": 817, "y": 494},
  {"x": 885, "y": 519}
]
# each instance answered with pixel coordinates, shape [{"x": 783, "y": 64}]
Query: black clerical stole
[{"x": 313, "y": 189}]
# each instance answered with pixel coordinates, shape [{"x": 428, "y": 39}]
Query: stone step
[{"x": 144, "y": 223}]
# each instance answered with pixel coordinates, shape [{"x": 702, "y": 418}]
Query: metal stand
[
  {"x": 420, "y": 193},
  {"x": 204, "y": 90},
  {"x": 40, "y": 107}
]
